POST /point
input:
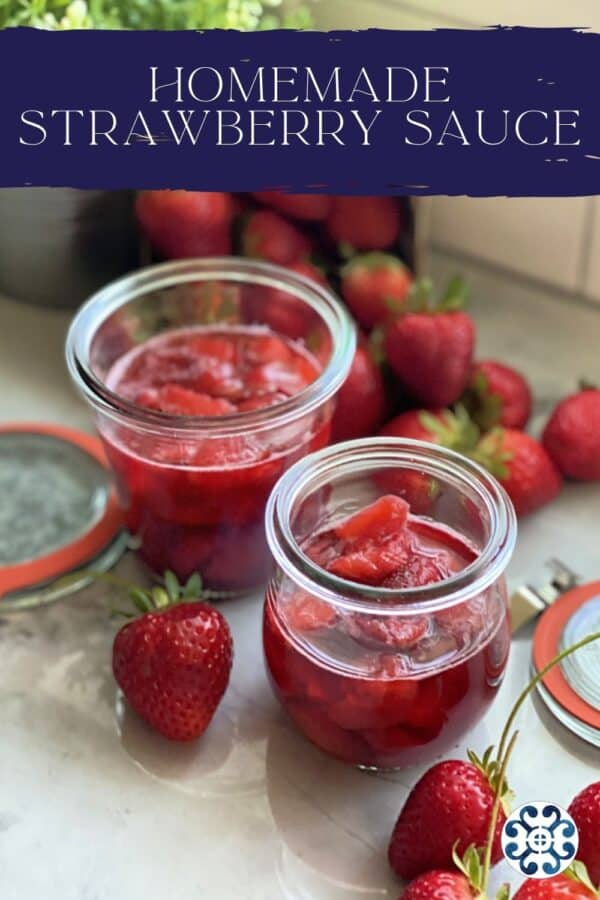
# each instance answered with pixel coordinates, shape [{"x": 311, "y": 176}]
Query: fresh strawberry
[
  {"x": 572, "y": 435},
  {"x": 439, "y": 884},
  {"x": 451, "y": 804},
  {"x": 430, "y": 348},
  {"x": 305, "y": 207},
  {"x": 375, "y": 285},
  {"x": 363, "y": 223},
  {"x": 173, "y": 662},
  {"x": 306, "y": 268},
  {"x": 522, "y": 467},
  {"x": 585, "y": 809},
  {"x": 278, "y": 308},
  {"x": 186, "y": 223},
  {"x": 497, "y": 395},
  {"x": 266, "y": 235},
  {"x": 558, "y": 887},
  {"x": 360, "y": 405},
  {"x": 437, "y": 426}
]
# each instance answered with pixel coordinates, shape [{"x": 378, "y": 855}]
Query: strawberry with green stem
[
  {"x": 573, "y": 884},
  {"x": 173, "y": 661},
  {"x": 430, "y": 347},
  {"x": 521, "y": 465},
  {"x": 457, "y": 803},
  {"x": 497, "y": 395},
  {"x": 375, "y": 286}
]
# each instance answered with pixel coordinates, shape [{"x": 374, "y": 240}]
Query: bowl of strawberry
[
  {"x": 208, "y": 379},
  {"x": 385, "y": 632}
]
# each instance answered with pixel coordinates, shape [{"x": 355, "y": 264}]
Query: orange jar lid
[
  {"x": 59, "y": 509},
  {"x": 570, "y": 689}
]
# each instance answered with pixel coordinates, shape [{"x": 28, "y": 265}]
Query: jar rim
[
  {"x": 366, "y": 453},
  {"x": 117, "y": 293}
]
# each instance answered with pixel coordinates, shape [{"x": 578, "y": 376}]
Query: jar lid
[
  {"x": 571, "y": 689},
  {"x": 59, "y": 511}
]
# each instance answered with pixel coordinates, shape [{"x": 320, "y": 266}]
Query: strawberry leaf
[
  {"x": 172, "y": 586},
  {"x": 420, "y": 295},
  {"x": 376, "y": 340},
  {"x": 393, "y": 304},
  {"x": 503, "y": 892},
  {"x": 345, "y": 250},
  {"x": 578, "y": 872},
  {"x": 193, "y": 587},
  {"x": 160, "y": 598},
  {"x": 140, "y": 599},
  {"x": 455, "y": 295}
]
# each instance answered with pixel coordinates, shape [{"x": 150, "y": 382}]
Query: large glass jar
[
  {"x": 194, "y": 487},
  {"x": 376, "y": 676}
]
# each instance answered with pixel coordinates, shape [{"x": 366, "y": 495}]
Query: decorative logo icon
[{"x": 540, "y": 839}]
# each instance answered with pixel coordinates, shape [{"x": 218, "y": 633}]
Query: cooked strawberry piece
[
  {"x": 372, "y": 563},
  {"x": 266, "y": 348},
  {"x": 194, "y": 373},
  {"x": 393, "y": 631},
  {"x": 179, "y": 401},
  {"x": 381, "y": 519},
  {"x": 307, "y": 613},
  {"x": 220, "y": 347},
  {"x": 319, "y": 729},
  {"x": 419, "y": 571},
  {"x": 377, "y": 702},
  {"x": 262, "y": 401}
]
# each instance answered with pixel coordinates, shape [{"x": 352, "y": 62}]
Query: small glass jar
[
  {"x": 194, "y": 488},
  {"x": 381, "y": 677}
]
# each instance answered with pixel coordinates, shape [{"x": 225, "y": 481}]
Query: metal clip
[{"x": 528, "y": 602}]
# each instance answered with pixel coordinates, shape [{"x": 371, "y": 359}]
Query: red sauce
[
  {"x": 386, "y": 691},
  {"x": 196, "y": 500}
]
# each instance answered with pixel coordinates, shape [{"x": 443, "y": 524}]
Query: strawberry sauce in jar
[
  {"x": 209, "y": 378},
  {"x": 386, "y": 632}
]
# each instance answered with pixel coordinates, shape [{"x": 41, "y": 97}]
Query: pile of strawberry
[
  {"x": 173, "y": 664},
  {"x": 414, "y": 373}
]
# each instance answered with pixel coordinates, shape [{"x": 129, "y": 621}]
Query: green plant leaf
[
  {"x": 172, "y": 586},
  {"x": 193, "y": 587}
]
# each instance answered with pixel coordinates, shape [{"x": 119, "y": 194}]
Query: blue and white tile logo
[{"x": 539, "y": 839}]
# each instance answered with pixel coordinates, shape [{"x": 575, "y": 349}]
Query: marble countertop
[{"x": 95, "y": 807}]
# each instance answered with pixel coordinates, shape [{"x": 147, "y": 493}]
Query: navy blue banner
[{"x": 490, "y": 112}]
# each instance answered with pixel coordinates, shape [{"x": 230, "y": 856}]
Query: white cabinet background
[{"x": 552, "y": 240}]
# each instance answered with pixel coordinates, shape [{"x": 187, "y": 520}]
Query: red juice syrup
[
  {"x": 195, "y": 498},
  {"x": 386, "y": 690}
]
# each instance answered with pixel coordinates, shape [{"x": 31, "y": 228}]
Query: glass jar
[
  {"x": 382, "y": 677},
  {"x": 194, "y": 488}
]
